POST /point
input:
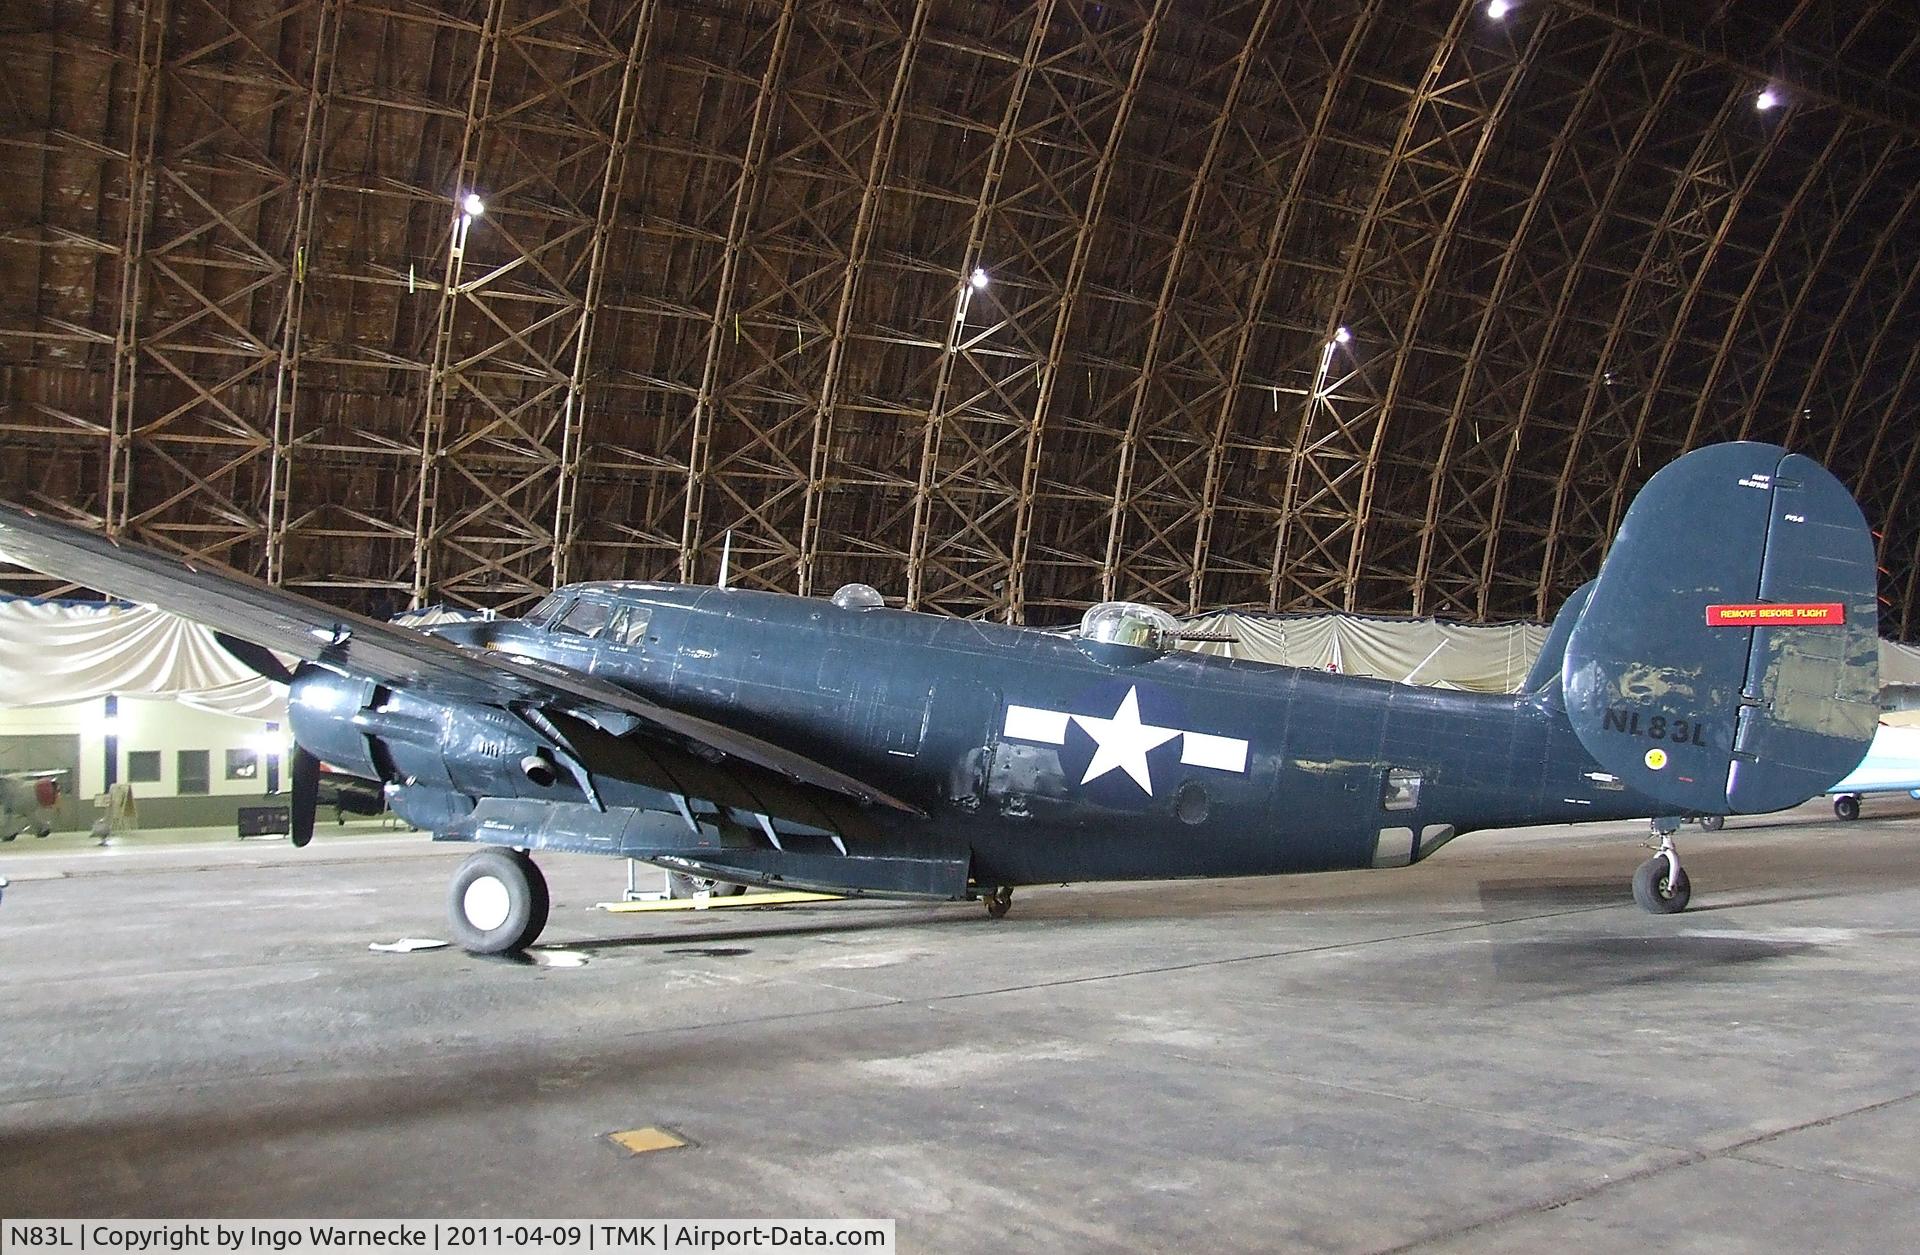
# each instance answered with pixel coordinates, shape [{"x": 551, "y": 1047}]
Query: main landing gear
[
  {"x": 1847, "y": 806},
  {"x": 498, "y": 902},
  {"x": 1660, "y": 884},
  {"x": 998, "y": 900}
]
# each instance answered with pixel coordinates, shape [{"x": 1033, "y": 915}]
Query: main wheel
[
  {"x": 683, "y": 885},
  {"x": 498, "y": 902},
  {"x": 1658, "y": 891},
  {"x": 1712, "y": 823},
  {"x": 999, "y": 901},
  {"x": 1847, "y": 806}
]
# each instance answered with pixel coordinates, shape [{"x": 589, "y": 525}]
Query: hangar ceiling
[{"x": 1360, "y": 304}]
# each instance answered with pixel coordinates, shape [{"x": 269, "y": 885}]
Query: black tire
[
  {"x": 1652, "y": 890},
  {"x": 999, "y": 902},
  {"x": 686, "y": 885},
  {"x": 1712, "y": 823},
  {"x": 1847, "y": 806},
  {"x": 498, "y": 902}
]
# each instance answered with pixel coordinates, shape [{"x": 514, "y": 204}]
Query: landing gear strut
[
  {"x": 1660, "y": 884},
  {"x": 999, "y": 901},
  {"x": 498, "y": 902}
]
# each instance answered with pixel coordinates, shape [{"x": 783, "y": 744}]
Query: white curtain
[
  {"x": 1487, "y": 659},
  {"x": 1491, "y": 659},
  {"x": 53, "y": 653}
]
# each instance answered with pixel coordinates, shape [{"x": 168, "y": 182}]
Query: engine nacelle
[{"x": 395, "y": 737}]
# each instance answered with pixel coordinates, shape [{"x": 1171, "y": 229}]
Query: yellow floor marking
[
  {"x": 640, "y": 1141},
  {"x": 702, "y": 904}
]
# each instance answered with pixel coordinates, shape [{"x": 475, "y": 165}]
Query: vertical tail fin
[{"x": 1727, "y": 659}]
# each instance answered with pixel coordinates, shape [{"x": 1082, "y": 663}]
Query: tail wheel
[
  {"x": 1661, "y": 887},
  {"x": 498, "y": 902},
  {"x": 1847, "y": 806}
]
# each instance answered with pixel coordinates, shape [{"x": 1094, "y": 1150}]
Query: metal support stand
[{"x": 633, "y": 891}]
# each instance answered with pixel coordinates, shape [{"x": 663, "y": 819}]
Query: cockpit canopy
[
  {"x": 549, "y": 606},
  {"x": 592, "y": 617},
  {"x": 1129, "y": 623}
]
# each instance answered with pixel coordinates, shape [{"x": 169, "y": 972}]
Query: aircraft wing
[{"x": 312, "y": 631}]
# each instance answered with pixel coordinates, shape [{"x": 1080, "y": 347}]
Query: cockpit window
[
  {"x": 548, "y": 607},
  {"x": 587, "y": 618},
  {"x": 630, "y": 625}
]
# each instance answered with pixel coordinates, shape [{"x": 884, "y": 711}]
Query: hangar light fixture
[
  {"x": 1341, "y": 335},
  {"x": 978, "y": 279},
  {"x": 1497, "y": 9},
  {"x": 472, "y": 206},
  {"x": 1767, "y": 99}
]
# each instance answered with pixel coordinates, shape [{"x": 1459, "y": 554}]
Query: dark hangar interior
[
  {"x": 722, "y": 282},
  {"x": 1325, "y": 343}
]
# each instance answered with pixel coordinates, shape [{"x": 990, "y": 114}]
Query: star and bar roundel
[{"x": 1122, "y": 742}]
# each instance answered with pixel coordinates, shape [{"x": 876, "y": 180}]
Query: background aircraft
[
  {"x": 1724, "y": 660},
  {"x": 26, "y": 798},
  {"x": 1892, "y": 765}
]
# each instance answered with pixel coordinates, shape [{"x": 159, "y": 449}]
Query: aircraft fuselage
[{"x": 1037, "y": 757}]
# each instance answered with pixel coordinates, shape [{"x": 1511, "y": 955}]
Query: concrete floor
[{"x": 1492, "y": 1051}]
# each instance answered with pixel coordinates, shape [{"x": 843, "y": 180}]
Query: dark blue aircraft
[{"x": 1723, "y": 662}]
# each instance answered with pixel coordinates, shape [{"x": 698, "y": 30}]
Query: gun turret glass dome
[{"x": 1129, "y": 623}]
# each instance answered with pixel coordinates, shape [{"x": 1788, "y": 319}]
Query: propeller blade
[
  {"x": 306, "y": 795},
  {"x": 258, "y": 658}
]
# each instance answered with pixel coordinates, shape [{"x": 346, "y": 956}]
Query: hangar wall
[{"x": 159, "y": 726}]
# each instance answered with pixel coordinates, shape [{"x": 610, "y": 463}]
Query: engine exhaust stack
[{"x": 539, "y": 769}]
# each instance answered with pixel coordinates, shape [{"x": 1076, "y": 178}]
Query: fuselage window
[
  {"x": 587, "y": 618},
  {"x": 630, "y": 625},
  {"x": 1402, "y": 790}
]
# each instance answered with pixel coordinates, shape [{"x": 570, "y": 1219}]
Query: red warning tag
[{"x": 1777, "y": 614}]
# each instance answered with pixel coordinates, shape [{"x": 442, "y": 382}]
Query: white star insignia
[{"x": 1122, "y": 743}]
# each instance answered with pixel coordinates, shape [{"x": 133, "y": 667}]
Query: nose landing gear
[{"x": 1660, "y": 884}]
